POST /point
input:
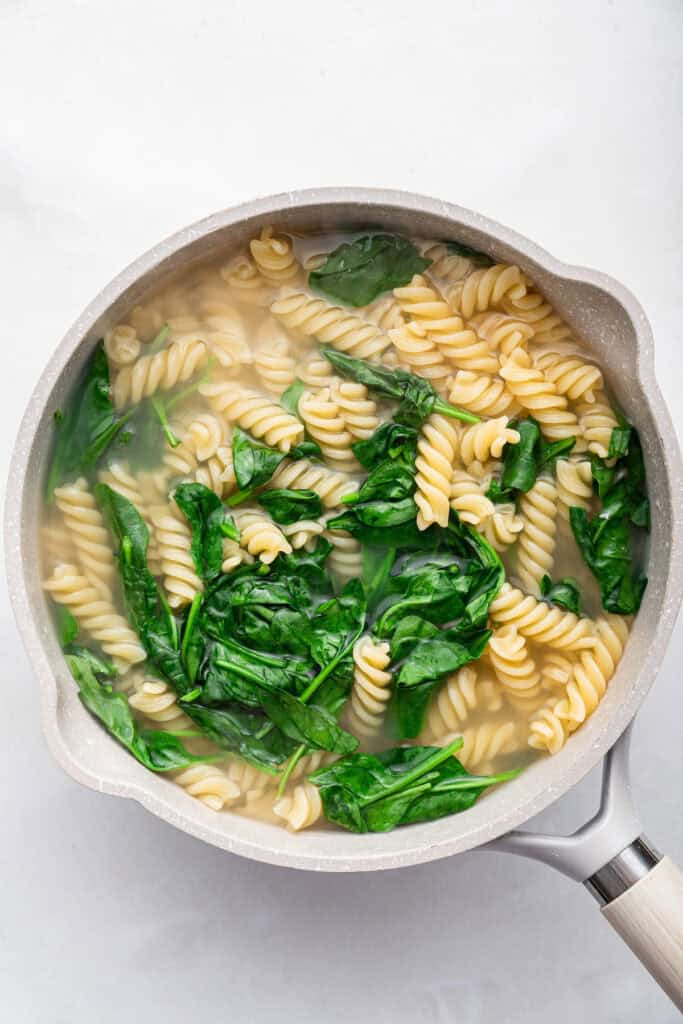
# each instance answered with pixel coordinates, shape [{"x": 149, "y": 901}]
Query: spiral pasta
[
  {"x": 449, "y": 266},
  {"x": 468, "y": 498},
  {"x": 301, "y": 808},
  {"x": 304, "y": 533},
  {"x": 574, "y": 485},
  {"x": 331, "y": 325},
  {"x": 260, "y": 536},
  {"x": 272, "y": 360},
  {"x": 251, "y": 782},
  {"x": 593, "y": 671},
  {"x": 547, "y": 731},
  {"x": 173, "y": 539},
  {"x": 356, "y": 408},
  {"x": 484, "y": 742},
  {"x": 572, "y": 376},
  {"x": 146, "y": 321},
  {"x": 162, "y": 371},
  {"x": 84, "y": 522},
  {"x": 484, "y": 440},
  {"x": 597, "y": 421},
  {"x": 122, "y": 346},
  {"x": 95, "y": 614},
  {"x": 484, "y": 289},
  {"x": 463, "y": 692},
  {"x": 315, "y": 372},
  {"x": 503, "y": 333},
  {"x": 305, "y": 475},
  {"x": 57, "y": 543},
  {"x": 345, "y": 557},
  {"x": 209, "y": 784},
  {"x": 384, "y": 311},
  {"x": 419, "y": 353},
  {"x": 234, "y": 555},
  {"x": 254, "y": 412},
  {"x": 156, "y": 701},
  {"x": 437, "y": 448},
  {"x": 324, "y": 423},
  {"x": 480, "y": 394},
  {"x": 502, "y": 527},
  {"x": 245, "y": 281},
  {"x": 536, "y": 543},
  {"x": 371, "y": 683},
  {"x": 539, "y": 395},
  {"x": 514, "y": 667},
  {"x": 541, "y": 622},
  {"x": 274, "y": 257}
]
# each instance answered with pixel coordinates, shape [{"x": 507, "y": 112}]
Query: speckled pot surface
[{"x": 600, "y": 309}]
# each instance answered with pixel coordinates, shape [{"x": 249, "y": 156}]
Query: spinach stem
[
  {"x": 324, "y": 673},
  {"x": 404, "y": 781},
  {"x": 291, "y": 765},
  {"x": 190, "y": 624},
  {"x": 238, "y": 497},
  {"x": 446, "y": 409},
  {"x": 162, "y": 416}
]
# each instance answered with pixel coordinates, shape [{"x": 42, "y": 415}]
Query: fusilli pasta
[
  {"x": 254, "y": 412},
  {"x": 162, "y": 371},
  {"x": 437, "y": 448},
  {"x": 371, "y": 683},
  {"x": 331, "y": 325}
]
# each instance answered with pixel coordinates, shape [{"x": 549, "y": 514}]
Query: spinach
[
  {"x": 210, "y": 523},
  {"x": 308, "y": 724},
  {"x": 157, "y": 750},
  {"x": 244, "y": 732},
  {"x": 88, "y": 426},
  {"x": 478, "y": 259},
  {"x": 438, "y": 590},
  {"x": 384, "y": 534},
  {"x": 289, "y": 399},
  {"x": 620, "y": 440},
  {"x": 522, "y": 462},
  {"x": 335, "y": 627},
  {"x": 233, "y": 672},
  {"x": 290, "y": 506},
  {"x": 390, "y": 440},
  {"x": 416, "y": 395},
  {"x": 605, "y": 539},
  {"x": 254, "y": 463},
  {"x": 67, "y": 626},
  {"x": 357, "y": 272},
  {"x": 564, "y": 593},
  {"x": 101, "y": 667},
  {"x": 377, "y": 564},
  {"x": 306, "y": 566},
  {"x": 389, "y": 454},
  {"x": 377, "y": 792}
]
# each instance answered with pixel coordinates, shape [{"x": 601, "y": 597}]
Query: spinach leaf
[
  {"x": 565, "y": 593},
  {"x": 377, "y": 792},
  {"x": 619, "y": 440},
  {"x": 67, "y": 626},
  {"x": 377, "y": 564},
  {"x": 210, "y": 523},
  {"x": 438, "y": 590},
  {"x": 254, "y": 463},
  {"x": 389, "y": 454},
  {"x": 390, "y": 481},
  {"x": 235, "y": 673},
  {"x": 102, "y": 667},
  {"x": 289, "y": 399},
  {"x": 381, "y": 534},
  {"x": 522, "y": 462},
  {"x": 291, "y": 506},
  {"x": 417, "y": 397},
  {"x": 88, "y": 426},
  {"x": 306, "y": 566},
  {"x": 157, "y": 750},
  {"x": 244, "y": 732},
  {"x": 335, "y": 627},
  {"x": 357, "y": 272},
  {"x": 436, "y": 656},
  {"x": 478, "y": 259},
  {"x": 309, "y": 724},
  {"x": 390, "y": 440}
]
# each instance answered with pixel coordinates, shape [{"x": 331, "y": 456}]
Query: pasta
[
  {"x": 325, "y": 600},
  {"x": 370, "y": 686},
  {"x": 95, "y": 614},
  {"x": 536, "y": 543},
  {"x": 253, "y": 412},
  {"x": 436, "y": 451},
  {"x": 331, "y": 325}
]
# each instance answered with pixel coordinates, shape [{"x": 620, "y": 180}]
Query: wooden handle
[{"x": 649, "y": 918}]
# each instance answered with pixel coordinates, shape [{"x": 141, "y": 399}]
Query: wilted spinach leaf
[
  {"x": 254, "y": 463},
  {"x": 357, "y": 272},
  {"x": 478, "y": 259},
  {"x": 291, "y": 506},
  {"x": 210, "y": 523},
  {"x": 565, "y": 593}
]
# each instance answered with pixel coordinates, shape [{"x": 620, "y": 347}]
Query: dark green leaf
[
  {"x": 99, "y": 665},
  {"x": 254, "y": 463},
  {"x": 377, "y": 564},
  {"x": 291, "y": 506},
  {"x": 309, "y": 724},
  {"x": 357, "y": 272},
  {"x": 67, "y": 626},
  {"x": 210, "y": 523},
  {"x": 565, "y": 593},
  {"x": 389, "y": 441},
  {"x": 337, "y": 624},
  {"x": 478, "y": 259},
  {"x": 244, "y": 732},
  {"x": 619, "y": 440},
  {"x": 520, "y": 467},
  {"x": 289, "y": 400}
]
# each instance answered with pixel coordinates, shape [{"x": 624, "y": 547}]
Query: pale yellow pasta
[
  {"x": 556, "y": 670},
  {"x": 572, "y": 376},
  {"x": 122, "y": 346},
  {"x": 463, "y": 692},
  {"x": 574, "y": 485},
  {"x": 594, "y": 670},
  {"x": 331, "y": 325},
  {"x": 251, "y": 782},
  {"x": 147, "y": 321},
  {"x": 420, "y": 354},
  {"x": 260, "y": 536},
  {"x": 209, "y": 784},
  {"x": 480, "y": 394},
  {"x": 315, "y": 371},
  {"x": 449, "y": 266},
  {"x": 311, "y": 762},
  {"x": 547, "y": 731},
  {"x": 527, "y": 304},
  {"x": 162, "y": 371},
  {"x": 357, "y": 409},
  {"x": 482, "y": 441},
  {"x": 304, "y": 475},
  {"x": 536, "y": 542},
  {"x": 437, "y": 448},
  {"x": 384, "y": 311},
  {"x": 95, "y": 614},
  {"x": 303, "y": 533},
  {"x": 503, "y": 333},
  {"x": 597, "y": 420},
  {"x": 173, "y": 538},
  {"x": 540, "y": 622},
  {"x": 502, "y": 527},
  {"x": 217, "y": 473},
  {"x": 157, "y": 702},
  {"x": 274, "y": 257},
  {"x": 345, "y": 557},
  {"x": 484, "y": 742},
  {"x": 234, "y": 555},
  {"x": 539, "y": 396},
  {"x": 246, "y": 283},
  {"x": 273, "y": 362},
  {"x": 485, "y": 289},
  {"x": 326, "y": 425},
  {"x": 84, "y": 522},
  {"x": 301, "y": 808},
  {"x": 56, "y": 543},
  {"x": 371, "y": 683},
  {"x": 512, "y": 662},
  {"x": 254, "y": 413},
  {"x": 468, "y": 498}
]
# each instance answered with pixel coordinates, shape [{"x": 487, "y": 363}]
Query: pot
[{"x": 642, "y": 894}]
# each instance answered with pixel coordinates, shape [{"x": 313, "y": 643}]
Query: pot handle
[{"x": 640, "y": 893}]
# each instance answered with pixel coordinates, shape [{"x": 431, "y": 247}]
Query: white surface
[{"x": 122, "y": 122}]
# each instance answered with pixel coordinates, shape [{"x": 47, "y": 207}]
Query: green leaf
[
  {"x": 309, "y": 724},
  {"x": 99, "y": 665},
  {"x": 157, "y": 750},
  {"x": 289, "y": 399},
  {"x": 243, "y": 732},
  {"x": 377, "y": 564},
  {"x": 210, "y": 523},
  {"x": 291, "y": 506},
  {"x": 438, "y": 591},
  {"x": 479, "y": 259},
  {"x": 390, "y": 440},
  {"x": 254, "y": 463},
  {"x": 233, "y": 672},
  {"x": 565, "y": 593},
  {"x": 337, "y": 624},
  {"x": 440, "y": 655},
  {"x": 67, "y": 626},
  {"x": 357, "y": 272},
  {"x": 520, "y": 467},
  {"x": 619, "y": 440}
]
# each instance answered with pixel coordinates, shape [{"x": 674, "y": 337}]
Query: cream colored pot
[{"x": 642, "y": 893}]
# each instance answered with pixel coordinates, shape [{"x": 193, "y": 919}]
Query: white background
[{"x": 120, "y": 123}]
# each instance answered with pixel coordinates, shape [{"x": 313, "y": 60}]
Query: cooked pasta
[{"x": 397, "y": 515}]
